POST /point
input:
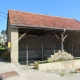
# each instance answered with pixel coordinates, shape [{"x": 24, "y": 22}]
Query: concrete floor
[{"x": 31, "y": 74}]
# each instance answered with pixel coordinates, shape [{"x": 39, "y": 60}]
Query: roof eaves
[
  {"x": 40, "y": 27},
  {"x": 32, "y": 26}
]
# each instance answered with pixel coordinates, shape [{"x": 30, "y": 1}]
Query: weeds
[
  {"x": 72, "y": 72},
  {"x": 62, "y": 74}
]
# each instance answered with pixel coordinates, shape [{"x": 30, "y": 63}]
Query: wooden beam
[
  {"x": 62, "y": 38},
  {"x": 56, "y": 35},
  {"x": 22, "y": 36},
  {"x": 65, "y": 36},
  {"x": 62, "y": 41}
]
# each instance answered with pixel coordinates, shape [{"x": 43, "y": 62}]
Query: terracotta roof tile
[{"x": 44, "y": 21}]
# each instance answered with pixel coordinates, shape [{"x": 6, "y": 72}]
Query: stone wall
[
  {"x": 38, "y": 41},
  {"x": 73, "y": 41},
  {"x": 35, "y": 42},
  {"x": 73, "y": 38}
]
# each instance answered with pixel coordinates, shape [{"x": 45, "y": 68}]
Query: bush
[
  {"x": 2, "y": 50},
  {"x": 5, "y": 55}
]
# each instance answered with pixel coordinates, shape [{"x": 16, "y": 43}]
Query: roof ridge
[
  {"x": 42, "y": 14},
  {"x": 76, "y": 20}
]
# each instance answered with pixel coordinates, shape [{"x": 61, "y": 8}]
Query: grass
[
  {"x": 46, "y": 61},
  {"x": 63, "y": 70},
  {"x": 2, "y": 48},
  {"x": 62, "y": 74},
  {"x": 42, "y": 62},
  {"x": 76, "y": 58},
  {"x": 72, "y": 72}
]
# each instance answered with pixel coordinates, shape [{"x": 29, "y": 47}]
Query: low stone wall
[{"x": 58, "y": 65}]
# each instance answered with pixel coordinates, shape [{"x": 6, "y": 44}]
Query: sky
[{"x": 61, "y": 8}]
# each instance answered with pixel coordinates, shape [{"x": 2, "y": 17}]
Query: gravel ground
[{"x": 62, "y": 71}]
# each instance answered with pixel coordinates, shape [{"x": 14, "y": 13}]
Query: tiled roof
[{"x": 43, "y": 21}]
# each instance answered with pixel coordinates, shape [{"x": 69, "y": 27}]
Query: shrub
[
  {"x": 2, "y": 50},
  {"x": 6, "y": 55}
]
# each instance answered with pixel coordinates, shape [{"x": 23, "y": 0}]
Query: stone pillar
[{"x": 14, "y": 45}]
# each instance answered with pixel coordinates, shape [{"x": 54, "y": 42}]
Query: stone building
[{"x": 36, "y": 36}]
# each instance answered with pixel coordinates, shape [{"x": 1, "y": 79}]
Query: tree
[
  {"x": 3, "y": 32},
  {"x": 0, "y": 41}
]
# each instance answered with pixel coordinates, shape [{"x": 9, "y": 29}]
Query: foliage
[
  {"x": 5, "y": 54},
  {"x": 2, "y": 51},
  {"x": 0, "y": 43},
  {"x": 3, "y": 32},
  {"x": 72, "y": 72},
  {"x": 2, "y": 47},
  {"x": 62, "y": 74},
  {"x": 42, "y": 62}
]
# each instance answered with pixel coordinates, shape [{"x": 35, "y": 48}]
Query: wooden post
[
  {"x": 62, "y": 40},
  {"x": 62, "y": 46},
  {"x": 54, "y": 48},
  {"x": 42, "y": 53},
  {"x": 27, "y": 55},
  {"x": 72, "y": 49}
]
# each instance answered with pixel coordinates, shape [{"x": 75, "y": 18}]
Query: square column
[{"x": 14, "y": 45}]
